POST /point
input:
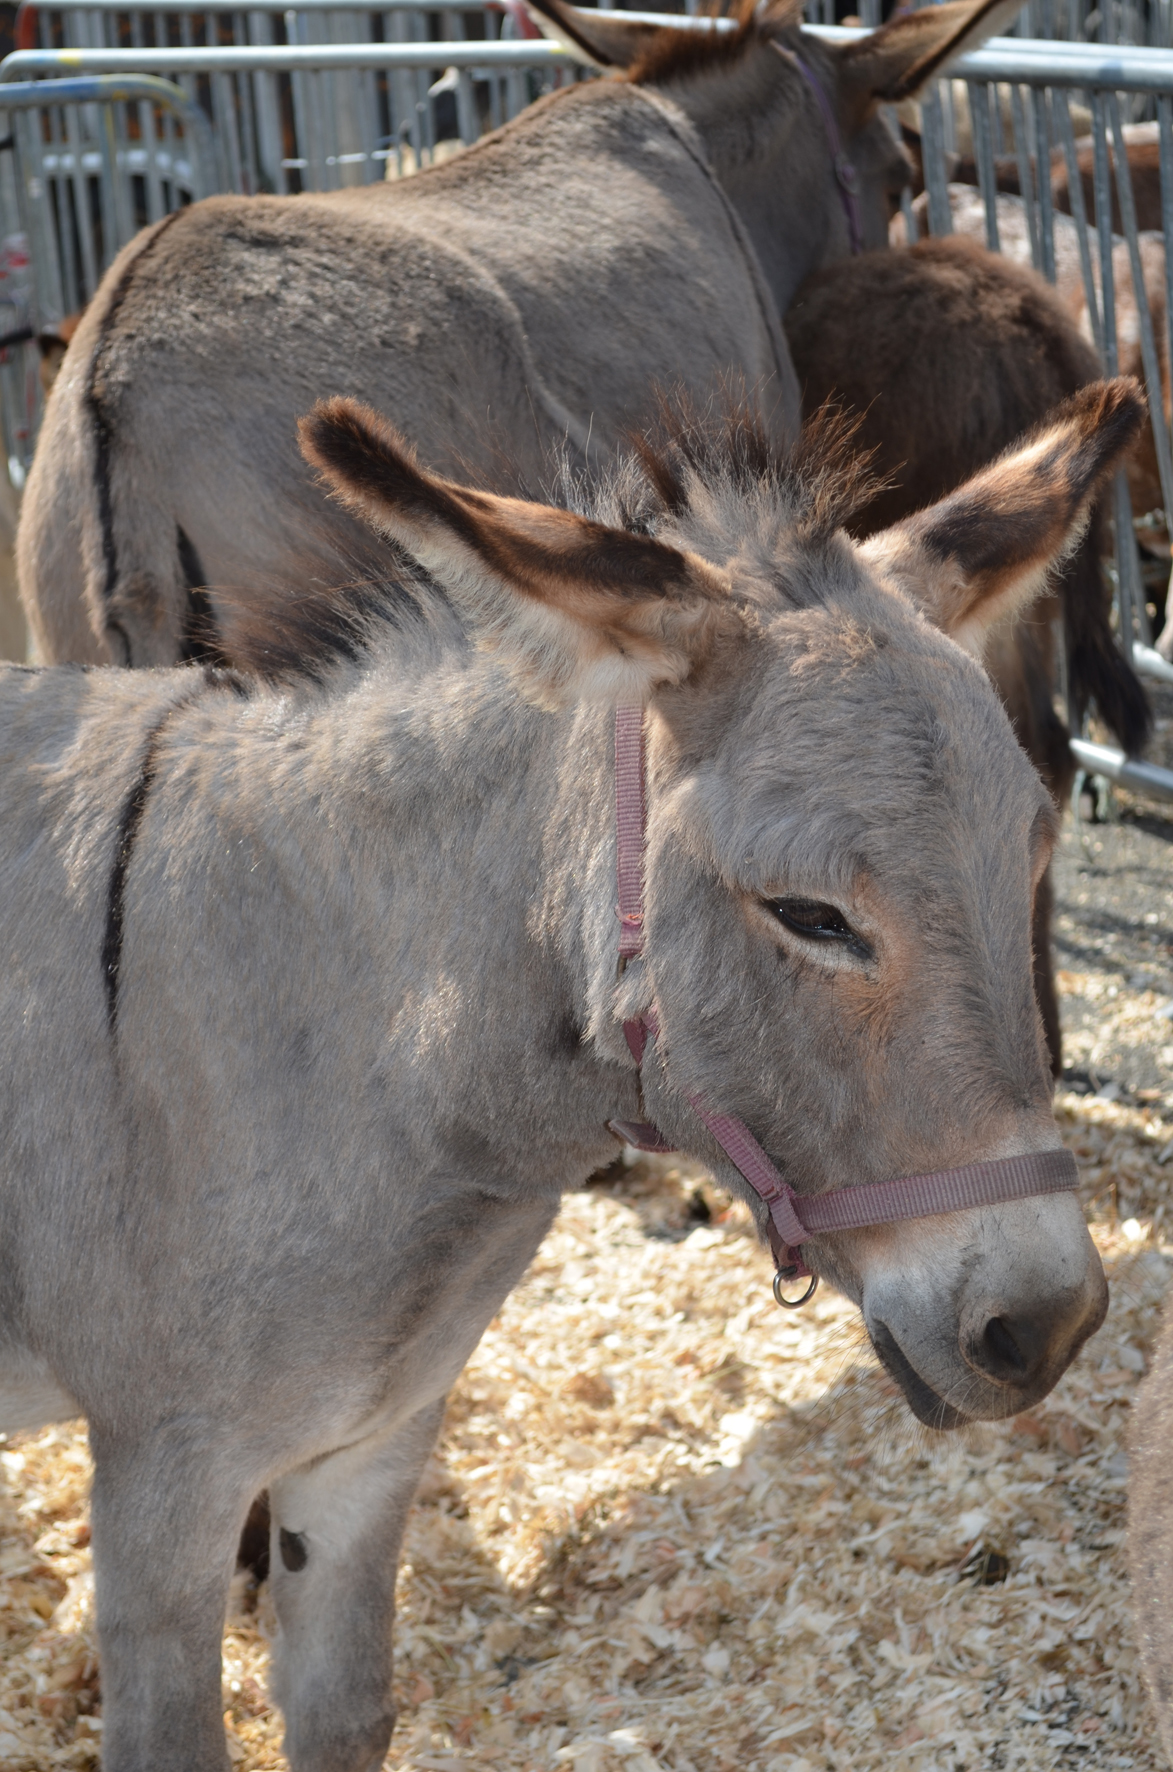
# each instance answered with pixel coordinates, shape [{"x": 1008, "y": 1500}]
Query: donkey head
[
  {"x": 761, "y": 119},
  {"x": 843, "y": 841}
]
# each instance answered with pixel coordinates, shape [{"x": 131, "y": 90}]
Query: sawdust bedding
[{"x": 669, "y": 1526}]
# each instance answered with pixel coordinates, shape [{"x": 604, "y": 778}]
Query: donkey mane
[
  {"x": 676, "y": 54},
  {"x": 723, "y": 452}
]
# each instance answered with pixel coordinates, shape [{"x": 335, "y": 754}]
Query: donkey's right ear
[
  {"x": 897, "y": 60},
  {"x": 982, "y": 554},
  {"x": 576, "y": 610},
  {"x": 598, "y": 38}
]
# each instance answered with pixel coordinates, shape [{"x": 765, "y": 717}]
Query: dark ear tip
[
  {"x": 1112, "y": 410},
  {"x": 337, "y": 430}
]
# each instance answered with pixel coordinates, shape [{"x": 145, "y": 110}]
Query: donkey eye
[{"x": 818, "y": 922}]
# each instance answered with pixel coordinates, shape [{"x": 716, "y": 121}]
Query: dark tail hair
[{"x": 1096, "y": 667}]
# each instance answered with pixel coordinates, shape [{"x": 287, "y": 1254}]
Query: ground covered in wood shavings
[{"x": 671, "y": 1527}]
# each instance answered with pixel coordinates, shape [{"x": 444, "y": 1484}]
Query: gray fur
[
  {"x": 616, "y": 237},
  {"x": 1150, "y": 1532},
  {"x": 368, "y": 1028}
]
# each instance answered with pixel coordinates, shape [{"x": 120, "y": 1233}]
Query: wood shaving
[{"x": 670, "y": 1527}]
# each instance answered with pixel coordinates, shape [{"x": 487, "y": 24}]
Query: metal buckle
[
  {"x": 847, "y": 175},
  {"x": 793, "y": 1304}
]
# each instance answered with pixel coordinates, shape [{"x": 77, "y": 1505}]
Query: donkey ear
[
  {"x": 898, "y": 59},
  {"x": 577, "y": 610},
  {"x": 982, "y": 554},
  {"x": 600, "y": 39}
]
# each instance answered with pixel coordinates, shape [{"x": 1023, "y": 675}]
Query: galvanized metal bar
[
  {"x": 1091, "y": 291},
  {"x": 285, "y": 58},
  {"x": 1042, "y": 136},
  {"x": 1102, "y": 191},
  {"x": 1025, "y": 175},
  {"x": 933, "y": 156},
  {"x": 983, "y": 147},
  {"x": 78, "y": 181},
  {"x": 1148, "y": 345},
  {"x": 1128, "y": 772}
]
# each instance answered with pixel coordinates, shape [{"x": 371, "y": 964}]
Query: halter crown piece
[{"x": 793, "y": 1218}]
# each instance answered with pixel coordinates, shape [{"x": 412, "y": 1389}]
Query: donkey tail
[{"x": 1097, "y": 669}]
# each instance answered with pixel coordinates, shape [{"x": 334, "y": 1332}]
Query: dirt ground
[{"x": 672, "y": 1527}]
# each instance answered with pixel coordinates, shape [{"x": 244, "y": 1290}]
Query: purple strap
[
  {"x": 793, "y": 1217},
  {"x": 846, "y": 176},
  {"x": 629, "y": 825}
]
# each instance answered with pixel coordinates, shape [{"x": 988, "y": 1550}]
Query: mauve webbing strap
[
  {"x": 846, "y": 176},
  {"x": 629, "y": 826},
  {"x": 795, "y": 1217},
  {"x": 948, "y": 1190}
]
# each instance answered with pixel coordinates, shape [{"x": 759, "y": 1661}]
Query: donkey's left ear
[
  {"x": 578, "y": 611},
  {"x": 983, "y": 554},
  {"x": 596, "y": 37}
]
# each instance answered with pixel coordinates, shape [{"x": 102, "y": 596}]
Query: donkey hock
[{"x": 336, "y": 955}]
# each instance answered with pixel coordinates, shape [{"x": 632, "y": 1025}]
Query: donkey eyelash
[{"x": 815, "y": 921}]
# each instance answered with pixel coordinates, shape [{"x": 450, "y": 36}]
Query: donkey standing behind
[
  {"x": 948, "y": 352},
  {"x": 632, "y": 232},
  {"x": 337, "y": 958}
]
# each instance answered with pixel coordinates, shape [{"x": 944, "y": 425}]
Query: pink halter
[{"x": 793, "y": 1218}]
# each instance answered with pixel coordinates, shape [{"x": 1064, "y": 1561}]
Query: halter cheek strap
[
  {"x": 793, "y": 1218},
  {"x": 846, "y": 176}
]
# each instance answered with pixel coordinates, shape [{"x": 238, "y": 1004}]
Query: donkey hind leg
[
  {"x": 336, "y": 1532},
  {"x": 167, "y": 1515}
]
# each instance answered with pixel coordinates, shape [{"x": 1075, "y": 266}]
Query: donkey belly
[{"x": 30, "y": 1395}]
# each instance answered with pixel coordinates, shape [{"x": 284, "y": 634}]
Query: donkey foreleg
[
  {"x": 167, "y": 1514},
  {"x": 336, "y": 1529}
]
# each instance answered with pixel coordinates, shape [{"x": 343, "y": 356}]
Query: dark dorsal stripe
[
  {"x": 101, "y": 419},
  {"x": 128, "y": 829}
]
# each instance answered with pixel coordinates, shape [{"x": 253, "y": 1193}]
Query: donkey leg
[
  {"x": 167, "y": 1519},
  {"x": 337, "y": 1527}
]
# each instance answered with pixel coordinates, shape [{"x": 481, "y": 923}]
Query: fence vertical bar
[
  {"x": 1025, "y": 173},
  {"x": 1038, "y": 101},
  {"x": 1079, "y": 214},
  {"x": 1148, "y": 347},
  {"x": 983, "y": 147},
  {"x": 933, "y": 152}
]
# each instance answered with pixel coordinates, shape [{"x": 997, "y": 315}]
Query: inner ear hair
[
  {"x": 983, "y": 553},
  {"x": 575, "y": 608},
  {"x": 900, "y": 58}
]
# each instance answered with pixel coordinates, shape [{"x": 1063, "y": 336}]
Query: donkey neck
[
  {"x": 470, "y": 839},
  {"x": 766, "y": 142}
]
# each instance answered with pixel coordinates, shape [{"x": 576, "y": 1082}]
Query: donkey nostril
[{"x": 1003, "y": 1355}]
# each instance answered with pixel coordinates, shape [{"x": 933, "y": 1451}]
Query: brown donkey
[{"x": 948, "y": 353}]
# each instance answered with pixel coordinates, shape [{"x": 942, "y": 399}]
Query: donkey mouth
[{"x": 921, "y": 1398}]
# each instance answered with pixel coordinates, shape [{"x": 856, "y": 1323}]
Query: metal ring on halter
[{"x": 792, "y": 1304}]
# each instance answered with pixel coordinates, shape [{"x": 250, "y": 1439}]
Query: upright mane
[{"x": 677, "y": 54}]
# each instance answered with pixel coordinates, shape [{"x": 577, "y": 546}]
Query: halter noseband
[
  {"x": 846, "y": 177},
  {"x": 793, "y": 1218}
]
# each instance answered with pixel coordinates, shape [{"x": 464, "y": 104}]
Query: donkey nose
[{"x": 1012, "y": 1349}]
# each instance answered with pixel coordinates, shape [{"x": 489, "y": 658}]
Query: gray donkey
[
  {"x": 646, "y": 230},
  {"x": 1150, "y": 1532},
  {"x": 310, "y": 1009}
]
